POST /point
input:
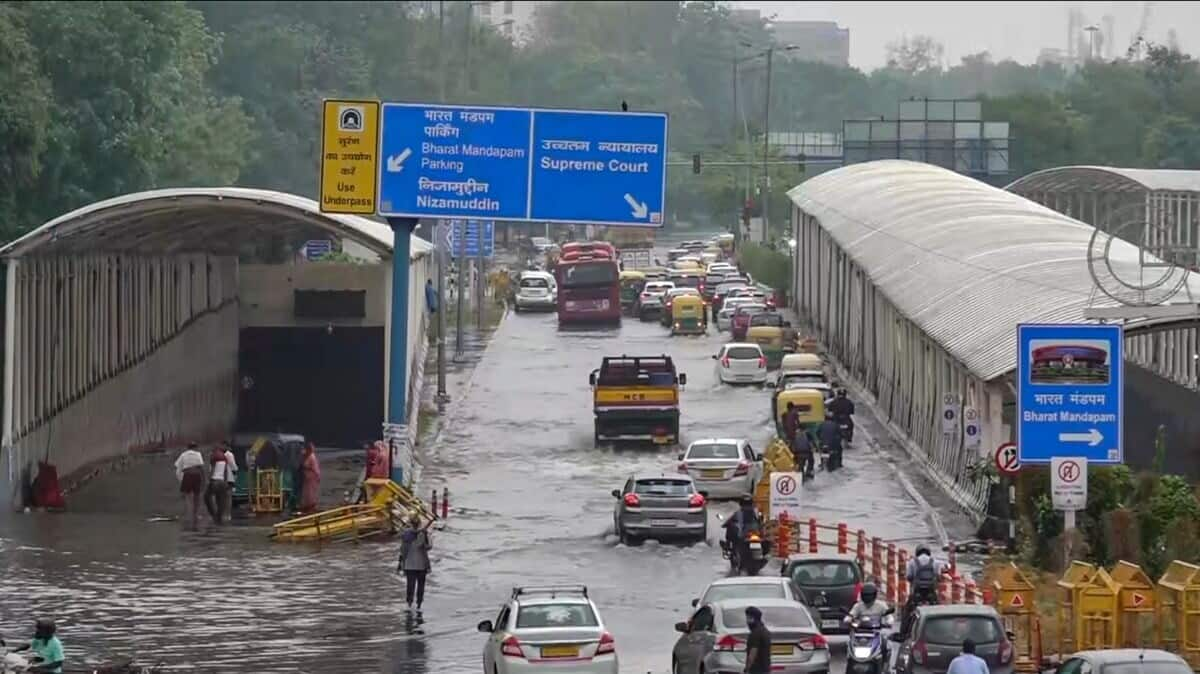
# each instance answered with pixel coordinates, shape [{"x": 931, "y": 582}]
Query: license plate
[
  {"x": 712, "y": 474},
  {"x": 663, "y": 523},
  {"x": 567, "y": 651},
  {"x": 661, "y": 439},
  {"x": 830, "y": 624},
  {"x": 781, "y": 649},
  {"x": 756, "y": 546}
]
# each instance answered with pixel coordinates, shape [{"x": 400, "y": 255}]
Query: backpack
[{"x": 925, "y": 577}]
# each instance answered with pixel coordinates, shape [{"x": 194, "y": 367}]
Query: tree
[
  {"x": 914, "y": 55},
  {"x": 24, "y": 122}
]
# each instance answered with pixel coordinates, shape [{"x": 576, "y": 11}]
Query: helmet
[
  {"x": 746, "y": 501},
  {"x": 869, "y": 593},
  {"x": 841, "y": 393},
  {"x": 924, "y": 550}
]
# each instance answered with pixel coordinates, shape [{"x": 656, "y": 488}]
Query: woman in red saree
[{"x": 310, "y": 493}]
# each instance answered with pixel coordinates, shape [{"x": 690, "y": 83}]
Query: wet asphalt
[{"x": 530, "y": 503}]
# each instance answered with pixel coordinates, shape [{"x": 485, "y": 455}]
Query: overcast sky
[{"x": 1016, "y": 30}]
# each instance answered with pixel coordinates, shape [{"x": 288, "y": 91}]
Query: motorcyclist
[
  {"x": 868, "y": 604},
  {"x": 802, "y": 451},
  {"x": 830, "y": 435},
  {"x": 741, "y": 523},
  {"x": 843, "y": 412},
  {"x": 45, "y": 646},
  {"x": 922, "y": 574}
]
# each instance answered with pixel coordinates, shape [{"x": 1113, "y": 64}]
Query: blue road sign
[
  {"x": 571, "y": 166},
  {"x": 1070, "y": 392},
  {"x": 317, "y": 249},
  {"x": 468, "y": 237}
]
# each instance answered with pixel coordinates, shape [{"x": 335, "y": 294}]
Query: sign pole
[
  {"x": 442, "y": 397},
  {"x": 479, "y": 283},
  {"x": 402, "y": 229},
  {"x": 461, "y": 240}
]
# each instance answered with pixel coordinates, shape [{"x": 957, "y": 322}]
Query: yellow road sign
[{"x": 349, "y": 156}]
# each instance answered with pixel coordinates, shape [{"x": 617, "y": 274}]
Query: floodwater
[{"x": 530, "y": 504}]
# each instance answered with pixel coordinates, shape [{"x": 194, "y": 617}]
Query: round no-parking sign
[
  {"x": 785, "y": 495},
  {"x": 1006, "y": 459}
]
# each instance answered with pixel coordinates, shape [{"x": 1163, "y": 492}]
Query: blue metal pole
[{"x": 402, "y": 229}]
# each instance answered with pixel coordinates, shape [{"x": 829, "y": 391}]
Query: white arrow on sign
[
  {"x": 640, "y": 210},
  {"x": 1093, "y": 437},
  {"x": 395, "y": 163}
]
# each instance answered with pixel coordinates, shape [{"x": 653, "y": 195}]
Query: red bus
[{"x": 589, "y": 288}]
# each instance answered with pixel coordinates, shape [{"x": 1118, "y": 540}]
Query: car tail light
[
  {"x": 696, "y": 501},
  {"x": 511, "y": 646},
  {"x": 743, "y": 467},
  {"x": 1006, "y": 652},
  {"x": 919, "y": 653},
  {"x": 607, "y": 644},
  {"x": 816, "y": 642},
  {"x": 857, "y": 591},
  {"x": 682, "y": 467},
  {"x": 725, "y": 361},
  {"x": 633, "y": 501},
  {"x": 762, "y": 361},
  {"x": 729, "y": 643}
]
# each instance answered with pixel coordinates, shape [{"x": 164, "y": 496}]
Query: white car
[
  {"x": 548, "y": 629},
  {"x": 541, "y": 244},
  {"x": 750, "y": 587},
  {"x": 721, "y": 268},
  {"x": 722, "y": 467},
  {"x": 652, "y": 296},
  {"x": 728, "y": 308},
  {"x": 741, "y": 363},
  {"x": 536, "y": 290}
]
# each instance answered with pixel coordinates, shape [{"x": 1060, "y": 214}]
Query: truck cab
[{"x": 636, "y": 398}]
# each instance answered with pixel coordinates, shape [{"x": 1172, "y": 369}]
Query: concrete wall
[
  {"x": 267, "y": 292},
  {"x": 184, "y": 390}
]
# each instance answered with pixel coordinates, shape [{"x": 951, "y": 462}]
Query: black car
[
  {"x": 938, "y": 633},
  {"x": 830, "y": 583}
]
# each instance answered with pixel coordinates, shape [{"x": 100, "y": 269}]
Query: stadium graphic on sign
[{"x": 1068, "y": 361}]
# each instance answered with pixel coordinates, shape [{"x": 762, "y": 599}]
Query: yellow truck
[{"x": 636, "y": 398}]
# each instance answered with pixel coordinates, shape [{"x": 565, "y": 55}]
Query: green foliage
[{"x": 766, "y": 265}]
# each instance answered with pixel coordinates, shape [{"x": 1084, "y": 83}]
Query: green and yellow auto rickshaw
[
  {"x": 809, "y": 402},
  {"x": 688, "y": 316},
  {"x": 631, "y": 286},
  {"x": 772, "y": 334}
]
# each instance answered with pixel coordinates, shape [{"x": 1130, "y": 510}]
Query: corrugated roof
[
  {"x": 195, "y": 219},
  {"x": 1108, "y": 178},
  {"x": 965, "y": 261}
]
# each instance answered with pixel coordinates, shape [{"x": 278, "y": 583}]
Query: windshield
[
  {"x": 774, "y": 320},
  {"x": 585, "y": 274},
  {"x": 535, "y": 283},
  {"x": 556, "y": 615},
  {"x": 773, "y": 616},
  {"x": 825, "y": 573},
  {"x": 687, "y": 281},
  {"x": 743, "y": 353},
  {"x": 662, "y": 486},
  {"x": 954, "y": 629},
  {"x": 712, "y": 450},
  {"x": 743, "y": 591}
]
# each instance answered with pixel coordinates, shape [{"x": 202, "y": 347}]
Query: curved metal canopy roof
[
  {"x": 195, "y": 219},
  {"x": 1107, "y": 179},
  {"x": 965, "y": 261}
]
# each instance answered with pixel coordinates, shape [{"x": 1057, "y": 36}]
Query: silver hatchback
[
  {"x": 714, "y": 640},
  {"x": 661, "y": 507}
]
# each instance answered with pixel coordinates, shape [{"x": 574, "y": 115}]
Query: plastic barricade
[
  {"x": 1178, "y": 601},
  {"x": 1136, "y": 619},
  {"x": 1014, "y": 597},
  {"x": 1094, "y": 609},
  {"x": 1076, "y": 576},
  {"x": 268, "y": 491}
]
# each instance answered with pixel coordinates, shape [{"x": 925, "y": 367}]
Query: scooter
[
  {"x": 847, "y": 430},
  {"x": 748, "y": 558},
  {"x": 866, "y": 649}
]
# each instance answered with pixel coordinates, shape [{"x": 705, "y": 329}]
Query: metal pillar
[
  {"x": 402, "y": 229},
  {"x": 479, "y": 284},
  {"x": 766, "y": 189},
  {"x": 442, "y": 397},
  {"x": 460, "y": 234}
]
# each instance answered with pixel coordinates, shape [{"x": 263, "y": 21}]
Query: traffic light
[{"x": 696, "y": 164}]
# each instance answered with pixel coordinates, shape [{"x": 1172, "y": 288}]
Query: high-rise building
[{"x": 820, "y": 41}]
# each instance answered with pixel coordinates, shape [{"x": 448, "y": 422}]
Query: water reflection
[{"x": 410, "y": 655}]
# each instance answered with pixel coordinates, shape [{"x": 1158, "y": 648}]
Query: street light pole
[{"x": 766, "y": 202}]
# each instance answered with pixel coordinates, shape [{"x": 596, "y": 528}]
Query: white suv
[{"x": 548, "y": 628}]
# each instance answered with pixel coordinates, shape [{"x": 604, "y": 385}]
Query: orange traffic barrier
[
  {"x": 843, "y": 538},
  {"x": 782, "y": 538},
  {"x": 862, "y": 548},
  {"x": 901, "y": 578},
  {"x": 891, "y": 572},
  {"x": 812, "y": 535},
  {"x": 877, "y": 558}
]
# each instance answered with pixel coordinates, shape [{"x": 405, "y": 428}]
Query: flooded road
[{"x": 530, "y": 504}]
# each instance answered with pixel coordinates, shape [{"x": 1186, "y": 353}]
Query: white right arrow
[
  {"x": 395, "y": 163},
  {"x": 640, "y": 210},
  {"x": 1093, "y": 437}
]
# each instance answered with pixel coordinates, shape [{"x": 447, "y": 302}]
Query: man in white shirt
[
  {"x": 231, "y": 470},
  {"x": 218, "y": 485},
  {"x": 967, "y": 662},
  {"x": 189, "y": 470}
]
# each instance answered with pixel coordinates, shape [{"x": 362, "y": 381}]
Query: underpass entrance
[{"x": 323, "y": 383}]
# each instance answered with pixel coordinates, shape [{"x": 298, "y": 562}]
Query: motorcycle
[
  {"x": 847, "y": 430},
  {"x": 748, "y": 558},
  {"x": 866, "y": 649}
]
